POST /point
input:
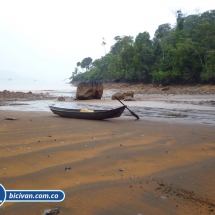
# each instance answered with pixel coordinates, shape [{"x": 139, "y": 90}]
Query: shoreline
[
  {"x": 161, "y": 89},
  {"x": 150, "y": 101},
  {"x": 118, "y": 166}
]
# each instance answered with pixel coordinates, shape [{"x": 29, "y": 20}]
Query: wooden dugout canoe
[{"x": 95, "y": 115}]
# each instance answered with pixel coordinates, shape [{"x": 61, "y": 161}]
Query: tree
[
  {"x": 144, "y": 56},
  {"x": 208, "y": 16},
  {"x": 190, "y": 24},
  {"x": 208, "y": 75},
  {"x": 74, "y": 73},
  {"x": 186, "y": 61},
  {"x": 181, "y": 54},
  {"x": 180, "y": 20},
  {"x": 162, "y": 31},
  {"x": 86, "y": 62},
  {"x": 115, "y": 48}
]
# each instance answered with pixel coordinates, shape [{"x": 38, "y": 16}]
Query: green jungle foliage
[{"x": 181, "y": 54}]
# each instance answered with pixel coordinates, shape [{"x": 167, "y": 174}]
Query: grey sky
[{"x": 46, "y": 38}]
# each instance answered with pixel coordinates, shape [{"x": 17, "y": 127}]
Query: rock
[
  {"x": 89, "y": 90},
  {"x": 54, "y": 211},
  {"x": 129, "y": 98},
  {"x": 46, "y": 212},
  {"x": 129, "y": 93},
  {"x": 165, "y": 88},
  {"x": 61, "y": 98},
  {"x": 51, "y": 212},
  {"x": 118, "y": 95},
  {"x": 29, "y": 92}
]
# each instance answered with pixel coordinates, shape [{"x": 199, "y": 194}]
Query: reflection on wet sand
[
  {"x": 201, "y": 109},
  {"x": 117, "y": 166}
]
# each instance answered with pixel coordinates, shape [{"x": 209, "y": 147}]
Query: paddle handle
[{"x": 135, "y": 115}]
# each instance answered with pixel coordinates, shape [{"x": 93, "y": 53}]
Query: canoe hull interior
[{"x": 96, "y": 115}]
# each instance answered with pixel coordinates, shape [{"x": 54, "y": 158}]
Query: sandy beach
[{"x": 117, "y": 166}]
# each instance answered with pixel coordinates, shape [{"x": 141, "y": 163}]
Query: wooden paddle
[{"x": 135, "y": 115}]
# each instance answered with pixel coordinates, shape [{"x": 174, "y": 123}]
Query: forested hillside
[{"x": 181, "y": 54}]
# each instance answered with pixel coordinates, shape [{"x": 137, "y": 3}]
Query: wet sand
[
  {"x": 118, "y": 166},
  {"x": 185, "y": 103}
]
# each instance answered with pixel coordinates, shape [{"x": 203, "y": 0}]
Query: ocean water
[
  {"x": 53, "y": 88},
  {"x": 34, "y": 85}
]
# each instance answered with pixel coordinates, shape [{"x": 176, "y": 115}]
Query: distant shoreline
[{"x": 196, "y": 89}]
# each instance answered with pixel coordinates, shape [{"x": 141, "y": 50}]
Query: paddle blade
[{"x": 134, "y": 114}]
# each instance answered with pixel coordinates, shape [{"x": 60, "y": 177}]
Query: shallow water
[
  {"x": 144, "y": 109},
  {"x": 189, "y": 115},
  {"x": 190, "y": 108}
]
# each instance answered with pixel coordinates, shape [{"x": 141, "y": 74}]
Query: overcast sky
[{"x": 46, "y": 38}]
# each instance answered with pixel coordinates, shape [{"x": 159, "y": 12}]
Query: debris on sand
[
  {"x": 67, "y": 168},
  {"x": 10, "y": 118}
]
